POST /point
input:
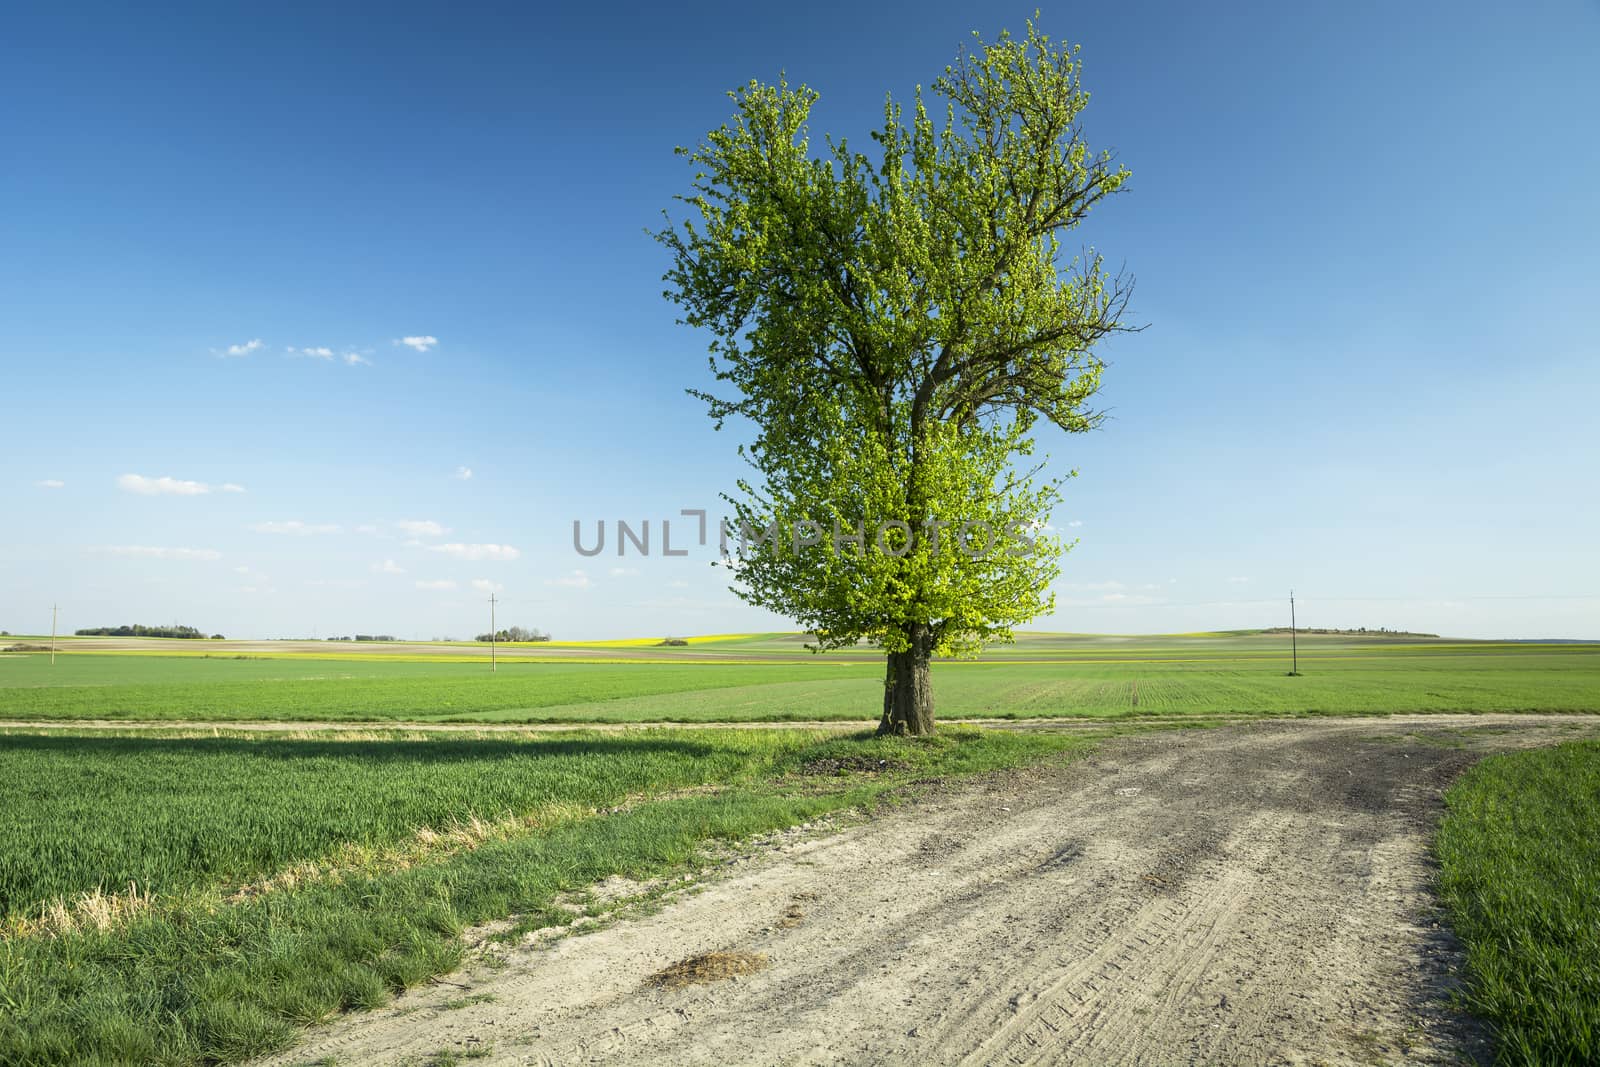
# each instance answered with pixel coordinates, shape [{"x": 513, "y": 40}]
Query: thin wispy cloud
[
  {"x": 155, "y": 552},
  {"x": 624, "y": 572},
  {"x": 1238, "y": 581},
  {"x": 323, "y": 352},
  {"x": 166, "y": 486},
  {"x": 419, "y": 342},
  {"x": 439, "y": 585},
  {"x": 1075, "y": 523},
  {"x": 244, "y": 349},
  {"x": 463, "y": 474},
  {"x": 687, "y": 605},
  {"x": 388, "y": 566},
  {"x": 476, "y": 552},
  {"x": 578, "y": 579},
  {"x": 50, "y": 483},
  {"x": 296, "y": 528},
  {"x": 484, "y": 585},
  {"x": 421, "y": 528}
]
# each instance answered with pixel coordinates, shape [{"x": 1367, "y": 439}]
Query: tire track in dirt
[{"x": 1249, "y": 894}]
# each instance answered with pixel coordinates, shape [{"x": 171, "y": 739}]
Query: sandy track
[{"x": 1250, "y": 894}]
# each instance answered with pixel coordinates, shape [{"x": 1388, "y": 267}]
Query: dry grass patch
[
  {"x": 707, "y": 968},
  {"x": 94, "y": 910}
]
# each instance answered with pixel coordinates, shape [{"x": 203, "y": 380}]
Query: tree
[
  {"x": 892, "y": 332},
  {"x": 513, "y": 634}
]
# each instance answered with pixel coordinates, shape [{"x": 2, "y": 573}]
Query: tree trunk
[{"x": 908, "y": 687}]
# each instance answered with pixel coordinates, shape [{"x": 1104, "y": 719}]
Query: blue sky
[{"x": 1364, "y": 236}]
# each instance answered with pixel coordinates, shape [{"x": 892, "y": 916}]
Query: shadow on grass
[{"x": 409, "y": 750}]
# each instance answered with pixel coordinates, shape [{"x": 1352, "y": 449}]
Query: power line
[{"x": 1294, "y": 639}]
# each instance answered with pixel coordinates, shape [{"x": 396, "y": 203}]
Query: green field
[
  {"x": 1042, "y": 675},
  {"x": 1519, "y": 854},
  {"x": 183, "y": 894},
  {"x": 281, "y": 880}
]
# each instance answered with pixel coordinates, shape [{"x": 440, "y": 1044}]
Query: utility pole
[
  {"x": 53, "y": 609},
  {"x": 492, "y": 634},
  {"x": 1294, "y": 644}
]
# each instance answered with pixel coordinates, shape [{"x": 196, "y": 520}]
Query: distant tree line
[
  {"x": 513, "y": 633},
  {"x": 147, "y": 631},
  {"x": 366, "y": 637},
  {"x": 1385, "y": 631}
]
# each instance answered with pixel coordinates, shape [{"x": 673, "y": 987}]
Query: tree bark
[{"x": 908, "y": 687}]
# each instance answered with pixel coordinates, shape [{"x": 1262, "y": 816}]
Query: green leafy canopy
[{"x": 893, "y": 330}]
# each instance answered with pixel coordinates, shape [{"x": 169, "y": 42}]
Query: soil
[{"x": 1252, "y": 894}]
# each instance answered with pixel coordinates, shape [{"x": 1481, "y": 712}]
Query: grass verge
[
  {"x": 1519, "y": 851},
  {"x": 202, "y": 973}
]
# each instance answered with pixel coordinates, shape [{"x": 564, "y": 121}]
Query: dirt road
[{"x": 1248, "y": 894}]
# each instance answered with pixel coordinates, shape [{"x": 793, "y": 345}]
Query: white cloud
[
  {"x": 1075, "y": 523},
  {"x": 460, "y": 551},
  {"x": 421, "y": 528},
  {"x": 421, "y": 342},
  {"x": 1238, "y": 581},
  {"x": 440, "y": 585},
  {"x": 624, "y": 572},
  {"x": 388, "y": 566},
  {"x": 355, "y": 358},
  {"x": 50, "y": 483},
  {"x": 242, "y": 350},
  {"x": 296, "y": 528},
  {"x": 138, "y": 483},
  {"x": 484, "y": 585},
  {"x": 576, "y": 580},
  {"x": 367, "y": 528},
  {"x": 462, "y": 474},
  {"x": 677, "y": 583},
  {"x": 151, "y": 552},
  {"x": 320, "y": 352}
]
